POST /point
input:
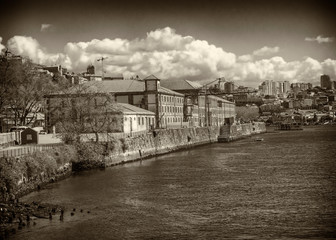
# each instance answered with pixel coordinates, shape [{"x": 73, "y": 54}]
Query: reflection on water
[{"x": 282, "y": 187}]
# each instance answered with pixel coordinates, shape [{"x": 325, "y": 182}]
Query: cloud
[
  {"x": 29, "y": 47},
  {"x": 45, "y": 27},
  {"x": 277, "y": 69},
  {"x": 162, "y": 52},
  {"x": 245, "y": 58},
  {"x": 2, "y": 47},
  {"x": 266, "y": 51},
  {"x": 169, "y": 55},
  {"x": 319, "y": 39}
]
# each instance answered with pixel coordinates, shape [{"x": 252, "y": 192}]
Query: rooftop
[
  {"x": 130, "y": 109},
  {"x": 123, "y": 86},
  {"x": 177, "y": 84}
]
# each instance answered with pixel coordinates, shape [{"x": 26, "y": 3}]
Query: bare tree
[
  {"x": 83, "y": 109},
  {"x": 23, "y": 86}
]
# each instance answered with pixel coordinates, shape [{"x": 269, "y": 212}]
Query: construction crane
[
  {"x": 102, "y": 60},
  {"x": 217, "y": 90}
]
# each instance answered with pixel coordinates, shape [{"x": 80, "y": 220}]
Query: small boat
[{"x": 259, "y": 139}]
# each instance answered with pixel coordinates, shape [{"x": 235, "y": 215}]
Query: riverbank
[
  {"x": 21, "y": 175},
  {"x": 15, "y": 215},
  {"x": 24, "y": 174}
]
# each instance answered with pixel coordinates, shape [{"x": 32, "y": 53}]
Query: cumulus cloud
[
  {"x": 169, "y": 55},
  {"x": 46, "y": 27},
  {"x": 2, "y": 47},
  {"x": 245, "y": 58},
  {"x": 266, "y": 51},
  {"x": 277, "y": 69},
  {"x": 30, "y": 47},
  {"x": 162, "y": 52},
  {"x": 320, "y": 39}
]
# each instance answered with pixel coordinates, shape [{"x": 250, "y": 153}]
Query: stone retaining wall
[
  {"x": 159, "y": 142},
  {"x": 235, "y": 132}
]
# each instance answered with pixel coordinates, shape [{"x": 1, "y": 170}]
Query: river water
[{"x": 281, "y": 188}]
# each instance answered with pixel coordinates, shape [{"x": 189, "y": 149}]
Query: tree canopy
[
  {"x": 82, "y": 109},
  {"x": 23, "y": 85}
]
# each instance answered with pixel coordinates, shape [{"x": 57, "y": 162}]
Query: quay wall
[
  {"x": 158, "y": 142},
  {"x": 239, "y": 131},
  {"x": 25, "y": 173}
]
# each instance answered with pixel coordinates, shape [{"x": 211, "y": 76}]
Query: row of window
[
  {"x": 142, "y": 120},
  {"x": 167, "y": 120},
  {"x": 171, "y": 99},
  {"x": 171, "y": 109}
]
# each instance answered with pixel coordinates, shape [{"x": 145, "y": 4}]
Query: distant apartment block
[
  {"x": 301, "y": 86},
  {"x": 326, "y": 83},
  {"x": 269, "y": 87}
]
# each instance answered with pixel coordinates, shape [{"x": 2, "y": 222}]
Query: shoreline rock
[{"x": 16, "y": 215}]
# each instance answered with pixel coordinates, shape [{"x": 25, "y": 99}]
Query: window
[
  {"x": 139, "y": 121},
  {"x": 142, "y": 119}
]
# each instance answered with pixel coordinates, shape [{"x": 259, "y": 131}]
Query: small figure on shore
[{"x": 20, "y": 223}]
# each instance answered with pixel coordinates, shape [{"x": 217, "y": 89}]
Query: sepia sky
[{"x": 243, "y": 41}]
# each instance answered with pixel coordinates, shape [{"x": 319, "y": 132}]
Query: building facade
[
  {"x": 201, "y": 108},
  {"x": 326, "y": 82}
]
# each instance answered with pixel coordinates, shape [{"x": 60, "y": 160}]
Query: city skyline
[{"x": 245, "y": 42}]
